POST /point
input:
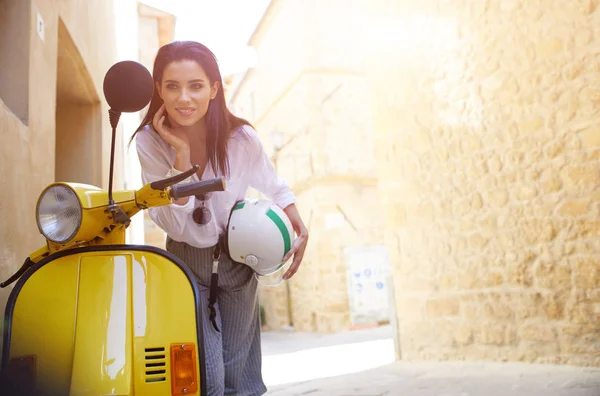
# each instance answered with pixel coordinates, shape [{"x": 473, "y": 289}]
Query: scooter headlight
[{"x": 59, "y": 213}]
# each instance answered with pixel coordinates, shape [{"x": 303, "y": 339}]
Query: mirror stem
[{"x": 114, "y": 120}]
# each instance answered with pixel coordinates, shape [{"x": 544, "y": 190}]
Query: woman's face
[{"x": 186, "y": 91}]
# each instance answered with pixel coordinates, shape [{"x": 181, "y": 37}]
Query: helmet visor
[{"x": 275, "y": 278}]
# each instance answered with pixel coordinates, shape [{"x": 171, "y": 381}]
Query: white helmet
[{"x": 259, "y": 234}]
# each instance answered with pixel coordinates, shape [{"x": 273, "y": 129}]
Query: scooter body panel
[{"x": 106, "y": 320}]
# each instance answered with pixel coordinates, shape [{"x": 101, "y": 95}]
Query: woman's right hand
[{"x": 176, "y": 138}]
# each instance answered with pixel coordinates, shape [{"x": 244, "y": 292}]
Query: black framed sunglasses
[{"x": 202, "y": 214}]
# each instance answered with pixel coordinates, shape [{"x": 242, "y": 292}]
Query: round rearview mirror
[{"x": 128, "y": 87}]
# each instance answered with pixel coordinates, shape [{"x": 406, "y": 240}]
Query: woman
[{"x": 188, "y": 123}]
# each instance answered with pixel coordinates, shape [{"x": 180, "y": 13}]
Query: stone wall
[{"x": 486, "y": 116}]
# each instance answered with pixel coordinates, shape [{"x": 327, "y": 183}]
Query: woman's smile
[{"x": 185, "y": 111}]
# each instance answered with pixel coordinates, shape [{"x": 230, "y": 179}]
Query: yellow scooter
[{"x": 90, "y": 315}]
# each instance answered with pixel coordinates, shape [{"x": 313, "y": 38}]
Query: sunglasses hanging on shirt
[{"x": 202, "y": 214}]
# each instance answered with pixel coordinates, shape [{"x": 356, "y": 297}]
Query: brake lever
[{"x": 163, "y": 184}]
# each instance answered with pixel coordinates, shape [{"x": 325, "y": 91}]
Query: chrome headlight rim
[{"x": 79, "y": 207}]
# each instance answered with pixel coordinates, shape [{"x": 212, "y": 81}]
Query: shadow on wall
[{"x": 78, "y": 118}]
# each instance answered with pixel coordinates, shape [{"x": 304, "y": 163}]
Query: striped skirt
[{"x": 233, "y": 355}]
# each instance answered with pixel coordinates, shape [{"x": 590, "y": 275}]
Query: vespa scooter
[{"x": 91, "y": 315}]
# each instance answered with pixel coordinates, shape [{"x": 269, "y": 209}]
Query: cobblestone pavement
[
  {"x": 454, "y": 379},
  {"x": 362, "y": 363}
]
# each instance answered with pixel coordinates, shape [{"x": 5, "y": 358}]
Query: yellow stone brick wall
[{"x": 486, "y": 117}]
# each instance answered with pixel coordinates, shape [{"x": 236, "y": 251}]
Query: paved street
[{"x": 360, "y": 363}]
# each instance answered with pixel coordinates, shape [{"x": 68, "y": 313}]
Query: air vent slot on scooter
[{"x": 155, "y": 365}]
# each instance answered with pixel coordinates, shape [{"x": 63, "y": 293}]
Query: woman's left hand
[{"x": 300, "y": 243}]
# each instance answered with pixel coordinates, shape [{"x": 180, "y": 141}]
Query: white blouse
[{"x": 249, "y": 166}]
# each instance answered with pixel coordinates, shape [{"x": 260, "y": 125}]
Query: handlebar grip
[{"x": 201, "y": 187}]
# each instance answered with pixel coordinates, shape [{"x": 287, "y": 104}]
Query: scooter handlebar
[{"x": 205, "y": 186}]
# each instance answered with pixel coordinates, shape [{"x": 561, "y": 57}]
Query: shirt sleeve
[
  {"x": 262, "y": 175},
  {"x": 155, "y": 166}
]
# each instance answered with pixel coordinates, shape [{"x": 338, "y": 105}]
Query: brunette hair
[{"x": 220, "y": 122}]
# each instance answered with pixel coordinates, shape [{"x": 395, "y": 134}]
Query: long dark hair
[{"x": 220, "y": 122}]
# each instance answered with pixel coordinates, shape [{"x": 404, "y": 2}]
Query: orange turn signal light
[{"x": 184, "y": 375}]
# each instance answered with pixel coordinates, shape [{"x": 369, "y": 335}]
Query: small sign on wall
[{"x": 367, "y": 273}]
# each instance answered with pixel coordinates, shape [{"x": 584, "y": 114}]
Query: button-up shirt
[{"x": 249, "y": 166}]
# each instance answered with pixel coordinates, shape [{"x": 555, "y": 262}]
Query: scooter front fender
[{"x": 104, "y": 321}]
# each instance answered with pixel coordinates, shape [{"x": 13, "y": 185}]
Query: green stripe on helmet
[
  {"x": 239, "y": 206},
  {"x": 282, "y": 228}
]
